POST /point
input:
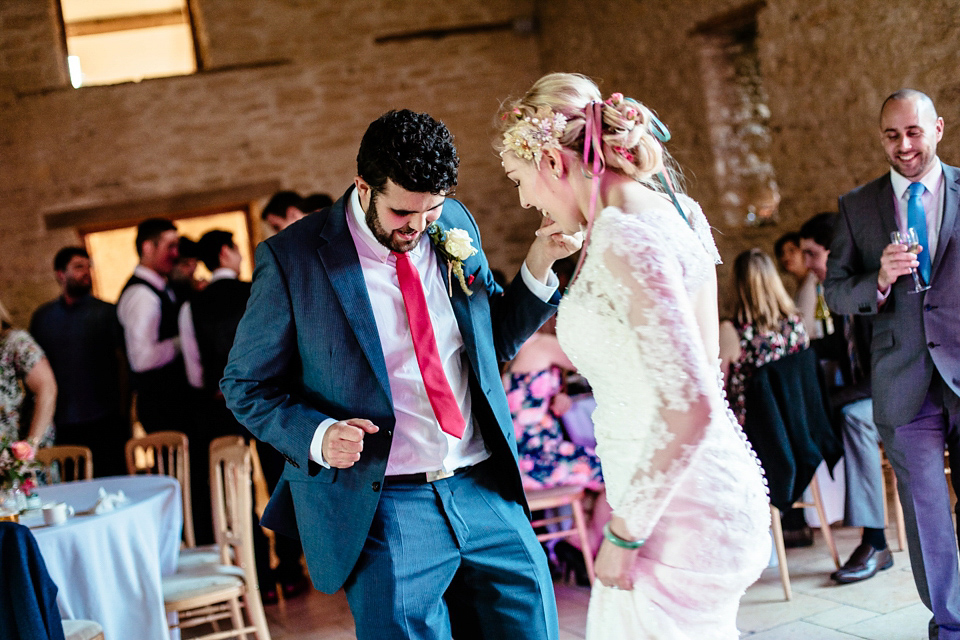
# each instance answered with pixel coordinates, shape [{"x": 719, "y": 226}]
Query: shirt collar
[
  {"x": 151, "y": 276},
  {"x": 931, "y": 181},
  {"x": 356, "y": 220},
  {"x": 223, "y": 273}
]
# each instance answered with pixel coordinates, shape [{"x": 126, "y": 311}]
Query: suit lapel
[
  {"x": 460, "y": 302},
  {"x": 888, "y": 213},
  {"x": 951, "y": 201},
  {"x": 338, "y": 255}
]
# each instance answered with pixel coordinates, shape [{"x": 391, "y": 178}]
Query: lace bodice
[{"x": 629, "y": 324}]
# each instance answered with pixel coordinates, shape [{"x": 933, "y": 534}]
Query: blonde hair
[
  {"x": 629, "y": 143},
  {"x": 6, "y": 321},
  {"x": 761, "y": 298}
]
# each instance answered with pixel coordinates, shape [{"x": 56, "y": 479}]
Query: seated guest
[
  {"x": 84, "y": 343},
  {"x": 283, "y": 209},
  {"x": 863, "y": 506},
  {"x": 790, "y": 258},
  {"x": 24, "y": 367},
  {"x": 183, "y": 279},
  {"x": 765, "y": 327}
]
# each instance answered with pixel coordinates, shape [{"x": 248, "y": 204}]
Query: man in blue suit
[
  {"x": 915, "y": 342},
  {"x": 405, "y": 493}
]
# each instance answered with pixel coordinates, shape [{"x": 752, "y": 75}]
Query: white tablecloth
[{"x": 108, "y": 567}]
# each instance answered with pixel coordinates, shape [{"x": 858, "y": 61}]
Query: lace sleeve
[{"x": 661, "y": 315}]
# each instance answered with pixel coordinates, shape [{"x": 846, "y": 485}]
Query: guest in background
[
  {"x": 183, "y": 278},
  {"x": 23, "y": 368},
  {"x": 84, "y": 343},
  {"x": 765, "y": 327},
  {"x": 283, "y": 209},
  {"x": 790, "y": 256},
  {"x": 147, "y": 310},
  {"x": 844, "y": 352},
  {"x": 316, "y": 201},
  {"x": 208, "y": 325}
]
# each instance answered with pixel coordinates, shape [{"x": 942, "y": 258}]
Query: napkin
[{"x": 109, "y": 501}]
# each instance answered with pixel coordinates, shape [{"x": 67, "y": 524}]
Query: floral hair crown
[{"x": 530, "y": 135}]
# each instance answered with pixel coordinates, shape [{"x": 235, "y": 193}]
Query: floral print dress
[
  {"x": 547, "y": 459},
  {"x": 758, "y": 348},
  {"x": 19, "y": 353}
]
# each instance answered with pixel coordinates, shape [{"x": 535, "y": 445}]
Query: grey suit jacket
[
  {"x": 912, "y": 333},
  {"x": 308, "y": 349}
]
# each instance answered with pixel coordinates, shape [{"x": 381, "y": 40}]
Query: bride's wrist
[{"x": 624, "y": 542}]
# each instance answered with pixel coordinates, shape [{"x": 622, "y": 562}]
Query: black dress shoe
[
  {"x": 863, "y": 563},
  {"x": 795, "y": 538}
]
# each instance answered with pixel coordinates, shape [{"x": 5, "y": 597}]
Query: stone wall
[{"x": 288, "y": 86}]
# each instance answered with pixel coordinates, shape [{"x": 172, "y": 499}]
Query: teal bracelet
[{"x": 620, "y": 542}]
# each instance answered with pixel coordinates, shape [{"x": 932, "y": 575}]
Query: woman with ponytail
[{"x": 689, "y": 531}]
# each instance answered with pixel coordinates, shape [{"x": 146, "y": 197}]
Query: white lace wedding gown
[{"x": 675, "y": 463}]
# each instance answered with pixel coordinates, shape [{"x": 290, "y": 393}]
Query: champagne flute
[{"x": 909, "y": 238}]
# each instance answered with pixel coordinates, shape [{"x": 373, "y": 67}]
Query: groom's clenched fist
[{"x": 343, "y": 441}]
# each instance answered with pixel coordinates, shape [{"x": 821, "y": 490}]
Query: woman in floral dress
[{"x": 23, "y": 367}]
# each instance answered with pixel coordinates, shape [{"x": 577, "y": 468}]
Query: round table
[{"x": 108, "y": 567}]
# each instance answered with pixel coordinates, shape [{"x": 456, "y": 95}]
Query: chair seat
[
  {"x": 186, "y": 586},
  {"x": 82, "y": 630},
  {"x": 202, "y": 556}
]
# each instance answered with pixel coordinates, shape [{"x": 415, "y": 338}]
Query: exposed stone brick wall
[{"x": 826, "y": 66}]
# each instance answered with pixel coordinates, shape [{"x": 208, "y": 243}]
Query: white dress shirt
[
  {"x": 139, "y": 313},
  {"x": 418, "y": 443},
  {"x": 188, "y": 333}
]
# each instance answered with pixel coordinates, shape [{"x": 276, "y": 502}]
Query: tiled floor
[{"x": 883, "y": 608}]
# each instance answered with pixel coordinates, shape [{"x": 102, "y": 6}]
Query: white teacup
[{"x": 56, "y": 513}]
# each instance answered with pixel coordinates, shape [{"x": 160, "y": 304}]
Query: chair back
[
  {"x": 63, "y": 463},
  {"x": 165, "y": 453},
  {"x": 787, "y": 422},
  {"x": 231, "y": 497}
]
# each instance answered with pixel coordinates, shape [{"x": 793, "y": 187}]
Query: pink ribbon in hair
[{"x": 592, "y": 157}]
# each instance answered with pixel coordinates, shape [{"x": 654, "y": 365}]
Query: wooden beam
[
  {"x": 125, "y": 23},
  {"x": 520, "y": 25},
  {"x": 179, "y": 205}
]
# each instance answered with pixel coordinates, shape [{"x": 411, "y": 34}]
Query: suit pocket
[{"x": 882, "y": 340}]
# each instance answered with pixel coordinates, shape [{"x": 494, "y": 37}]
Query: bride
[{"x": 690, "y": 527}]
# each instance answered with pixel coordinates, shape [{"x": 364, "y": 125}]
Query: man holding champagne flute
[{"x": 913, "y": 294}]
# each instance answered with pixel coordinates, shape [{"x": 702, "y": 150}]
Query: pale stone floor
[{"x": 885, "y": 607}]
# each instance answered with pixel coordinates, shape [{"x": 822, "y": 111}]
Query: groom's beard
[{"x": 384, "y": 237}]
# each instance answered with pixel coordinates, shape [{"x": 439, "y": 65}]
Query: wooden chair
[
  {"x": 209, "y": 595},
  {"x": 556, "y": 497},
  {"x": 816, "y": 503},
  {"x": 63, "y": 463},
  {"x": 165, "y": 453}
]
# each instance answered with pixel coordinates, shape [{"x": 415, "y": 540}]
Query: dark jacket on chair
[
  {"x": 787, "y": 422},
  {"x": 28, "y": 599}
]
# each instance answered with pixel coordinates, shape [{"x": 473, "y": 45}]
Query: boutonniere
[{"x": 455, "y": 245}]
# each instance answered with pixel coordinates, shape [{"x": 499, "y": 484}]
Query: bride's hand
[{"x": 614, "y": 566}]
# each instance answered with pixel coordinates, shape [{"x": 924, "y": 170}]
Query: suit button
[
  {"x": 932, "y": 344},
  {"x": 375, "y": 486},
  {"x": 389, "y": 433}
]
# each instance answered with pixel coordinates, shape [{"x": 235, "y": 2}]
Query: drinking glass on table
[{"x": 909, "y": 238}]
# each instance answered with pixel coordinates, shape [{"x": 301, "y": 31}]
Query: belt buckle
[{"x": 440, "y": 474}]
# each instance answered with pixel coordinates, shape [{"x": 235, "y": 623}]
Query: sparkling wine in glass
[{"x": 909, "y": 238}]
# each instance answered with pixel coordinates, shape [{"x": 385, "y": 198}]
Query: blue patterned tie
[{"x": 917, "y": 218}]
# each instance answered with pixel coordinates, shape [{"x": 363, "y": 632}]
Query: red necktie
[{"x": 441, "y": 397}]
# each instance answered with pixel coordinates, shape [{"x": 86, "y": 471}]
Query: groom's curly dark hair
[{"x": 412, "y": 149}]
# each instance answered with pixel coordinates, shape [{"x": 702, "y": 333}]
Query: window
[{"x": 113, "y": 41}]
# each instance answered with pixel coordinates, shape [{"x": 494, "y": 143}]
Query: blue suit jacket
[{"x": 308, "y": 349}]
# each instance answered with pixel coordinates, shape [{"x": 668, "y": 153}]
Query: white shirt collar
[
  {"x": 151, "y": 276},
  {"x": 223, "y": 273},
  {"x": 356, "y": 220},
  {"x": 931, "y": 181}
]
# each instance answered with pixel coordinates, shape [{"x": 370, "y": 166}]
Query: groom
[{"x": 374, "y": 371}]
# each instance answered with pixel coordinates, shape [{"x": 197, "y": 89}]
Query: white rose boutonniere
[{"x": 455, "y": 245}]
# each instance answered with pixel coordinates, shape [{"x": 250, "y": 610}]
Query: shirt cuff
[
  {"x": 316, "y": 445},
  {"x": 882, "y": 297},
  {"x": 543, "y": 291}
]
